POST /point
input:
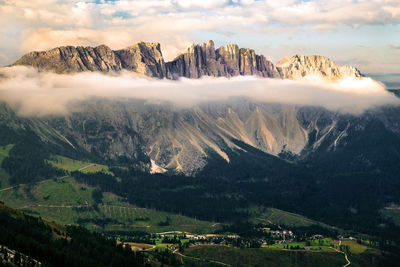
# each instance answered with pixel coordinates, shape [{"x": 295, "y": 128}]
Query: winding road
[{"x": 345, "y": 255}]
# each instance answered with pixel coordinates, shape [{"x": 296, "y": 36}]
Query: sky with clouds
[{"x": 362, "y": 33}]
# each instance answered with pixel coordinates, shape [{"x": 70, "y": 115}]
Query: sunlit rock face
[
  {"x": 196, "y": 61},
  {"x": 185, "y": 139},
  {"x": 244, "y": 61},
  {"x": 227, "y": 61},
  {"x": 143, "y": 58},
  {"x": 69, "y": 59},
  {"x": 299, "y": 66}
]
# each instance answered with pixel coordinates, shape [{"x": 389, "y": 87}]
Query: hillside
[
  {"x": 274, "y": 257},
  {"x": 67, "y": 201},
  {"x": 55, "y": 245},
  {"x": 222, "y": 193}
]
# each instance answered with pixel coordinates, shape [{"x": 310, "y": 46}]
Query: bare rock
[
  {"x": 196, "y": 61},
  {"x": 143, "y": 58},
  {"x": 67, "y": 59},
  {"x": 298, "y": 66}
]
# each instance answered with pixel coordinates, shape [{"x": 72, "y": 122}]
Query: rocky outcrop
[
  {"x": 226, "y": 61},
  {"x": 244, "y": 61},
  {"x": 67, "y": 59},
  {"x": 196, "y": 61},
  {"x": 143, "y": 58},
  {"x": 298, "y": 66}
]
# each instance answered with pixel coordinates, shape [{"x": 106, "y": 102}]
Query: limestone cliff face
[
  {"x": 143, "y": 58},
  {"x": 174, "y": 138},
  {"x": 67, "y": 59},
  {"x": 186, "y": 139},
  {"x": 244, "y": 61},
  {"x": 229, "y": 56},
  {"x": 196, "y": 61},
  {"x": 227, "y": 61},
  {"x": 298, "y": 66}
]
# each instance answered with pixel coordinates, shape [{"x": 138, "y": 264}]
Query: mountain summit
[
  {"x": 298, "y": 66},
  {"x": 196, "y": 61}
]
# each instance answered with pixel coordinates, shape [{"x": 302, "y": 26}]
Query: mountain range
[
  {"x": 196, "y": 61},
  {"x": 183, "y": 139}
]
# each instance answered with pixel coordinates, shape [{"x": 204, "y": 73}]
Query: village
[{"x": 268, "y": 238}]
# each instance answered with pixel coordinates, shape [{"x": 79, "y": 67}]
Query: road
[
  {"x": 11, "y": 187},
  {"x": 345, "y": 255},
  {"x": 213, "y": 261},
  {"x": 43, "y": 181},
  {"x": 87, "y": 166}
]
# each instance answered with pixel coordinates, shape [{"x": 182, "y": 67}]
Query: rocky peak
[
  {"x": 230, "y": 60},
  {"x": 228, "y": 56},
  {"x": 143, "y": 58},
  {"x": 198, "y": 60},
  {"x": 298, "y": 66},
  {"x": 244, "y": 61},
  {"x": 67, "y": 59}
]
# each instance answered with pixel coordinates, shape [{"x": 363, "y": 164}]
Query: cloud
[
  {"x": 32, "y": 93},
  {"x": 391, "y": 80},
  {"x": 115, "y": 38},
  {"x": 48, "y": 23}
]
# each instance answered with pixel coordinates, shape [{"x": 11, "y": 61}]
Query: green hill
[
  {"x": 265, "y": 257},
  {"x": 4, "y": 177},
  {"x": 67, "y": 202}
]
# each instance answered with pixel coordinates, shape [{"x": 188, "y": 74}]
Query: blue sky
[{"x": 365, "y": 34}]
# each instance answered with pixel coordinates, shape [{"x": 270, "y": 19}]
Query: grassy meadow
[
  {"x": 4, "y": 177},
  {"x": 71, "y": 165},
  {"x": 264, "y": 256},
  {"x": 65, "y": 201}
]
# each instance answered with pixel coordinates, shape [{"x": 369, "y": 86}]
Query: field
[
  {"x": 280, "y": 217},
  {"x": 355, "y": 248},
  {"x": 70, "y": 165},
  {"x": 138, "y": 246},
  {"x": 67, "y": 202},
  {"x": 3, "y": 175},
  {"x": 265, "y": 256},
  {"x": 314, "y": 245}
]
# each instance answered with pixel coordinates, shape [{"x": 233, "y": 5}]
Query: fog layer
[{"x": 32, "y": 93}]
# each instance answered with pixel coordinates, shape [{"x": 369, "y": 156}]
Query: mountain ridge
[{"x": 196, "y": 61}]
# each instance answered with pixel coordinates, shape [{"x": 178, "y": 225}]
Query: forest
[{"x": 55, "y": 245}]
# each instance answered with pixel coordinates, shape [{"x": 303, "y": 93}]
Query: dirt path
[
  {"x": 40, "y": 182},
  {"x": 345, "y": 255},
  {"x": 54, "y": 206},
  {"x": 347, "y": 259},
  {"x": 87, "y": 166},
  {"x": 8, "y": 188},
  {"x": 213, "y": 261}
]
